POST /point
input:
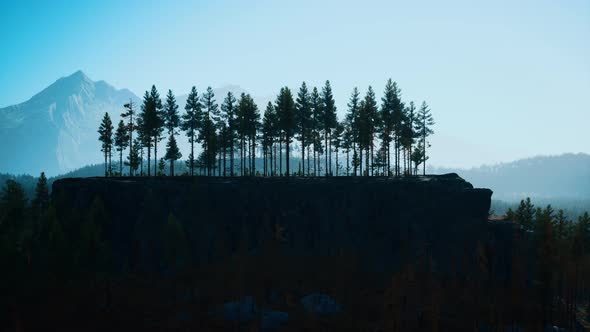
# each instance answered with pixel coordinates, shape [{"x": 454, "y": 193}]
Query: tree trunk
[
  {"x": 315, "y": 173},
  {"x": 326, "y": 157},
  {"x": 368, "y": 161},
  {"x": 308, "y": 157},
  {"x": 149, "y": 147},
  {"x": 336, "y": 161},
  {"x": 253, "y": 155},
  {"x": 330, "y": 153},
  {"x": 287, "y": 153},
  {"x": 280, "y": 156},
  {"x": 372, "y": 156},
  {"x": 424, "y": 157},
  {"x": 121, "y": 163},
  {"x": 155, "y": 155},
  {"x": 361, "y": 160},
  {"x": 303, "y": 153},
  {"x": 347, "y": 161}
]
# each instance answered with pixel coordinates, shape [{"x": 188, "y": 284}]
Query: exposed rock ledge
[{"x": 382, "y": 221}]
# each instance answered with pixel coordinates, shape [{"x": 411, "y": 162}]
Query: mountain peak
[{"x": 78, "y": 76}]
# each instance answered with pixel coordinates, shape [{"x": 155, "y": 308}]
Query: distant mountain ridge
[
  {"x": 55, "y": 130},
  {"x": 545, "y": 177}
]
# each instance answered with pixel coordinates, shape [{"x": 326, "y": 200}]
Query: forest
[
  {"x": 59, "y": 268},
  {"x": 375, "y": 141}
]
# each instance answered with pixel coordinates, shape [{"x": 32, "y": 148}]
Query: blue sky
[{"x": 505, "y": 79}]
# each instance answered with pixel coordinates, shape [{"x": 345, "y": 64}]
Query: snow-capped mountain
[{"x": 56, "y": 130}]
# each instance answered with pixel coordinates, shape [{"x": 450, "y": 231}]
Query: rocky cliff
[{"x": 383, "y": 222}]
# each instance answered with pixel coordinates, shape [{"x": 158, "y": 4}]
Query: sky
[{"x": 504, "y": 79}]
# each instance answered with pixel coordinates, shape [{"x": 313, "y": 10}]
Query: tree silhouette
[
  {"x": 370, "y": 122},
  {"x": 229, "y": 117},
  {"x": 172, "y": 153},
  {"x": 40, "y": 202},
  {"x": 424, "y": 123},
  {"x": 121, "y": 143},
  {"x": 337, "y": 139},
  {"x": 286, "y": 114},
  {"x": 525, "y": 213},
  {"x": 207, "y": 134},
  {"x": 161, "y": 167},
  {"x": 141, "y": 143},
  {"x": 396, "y": 123},
  {"x": 150, "y": 122},
  {"x": 389, "y": 102},
  {"x": 105, "y": 132},
  {"x": 317, "y": 116},
  {"x": 133, "y": 160},
  {"x": 329, "y": 122},
  {"x": 408, "y": 134},
  {"x": 190, "y": 123},
  {"x": 303, "y": 120},
  {"x": 128, "y": 114},
  {"x": 171, "y": 121},
  {"x": 352, "y": 124},
  {"x": 158, "y": 120}
]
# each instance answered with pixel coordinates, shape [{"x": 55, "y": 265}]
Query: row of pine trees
[{"x": 388, "y": 139}]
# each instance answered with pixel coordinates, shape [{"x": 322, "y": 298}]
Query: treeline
[
  {"x": 551, "y": 263},
  {"x": 390, "y": 139}
]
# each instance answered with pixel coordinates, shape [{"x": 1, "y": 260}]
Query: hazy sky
[{"x": 505, "y": 79}]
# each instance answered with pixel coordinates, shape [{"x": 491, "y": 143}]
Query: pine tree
[
  {"x": 286, "y": 113},
  {"x": 171, "y": 121},
  {"x": 40, "y": 202},
  {"x": 371, "y": 121},
  {"x": 128, "y": 114},
  {"x": 190, "y": 124},
  {"x": 133, "y": 160},
  {"x": 389, "y": 102},
  {"x": 424, "y": 125},
  {"x": 121, "y": 143},
  {"x": 525, "y": 213},
  {"x": 352, "y": 122},
  {"x": 172, "y": 153},
  {"x": 158, "y": 125},
  {"x": 208, "y": 133},
  {"x": 171, "y": 117},
  {"x": 146, "y": 123},
  {"x": 396, "y": 124},
  {"x": 242, "y": 129},
  {"x": 141, "y": 142},
  {"x": 162, "y": 167},
  {"x": 408, "y": 134},
  {"x": 268, "y": 137},
  {"x": 317, "y": 124},
  {"x": 337, "y": 139},
  {"x": 253, "y": 127},
  {"x": 329, "y": 122},
  {"x": 418, "y": 157},
  {"x": 303, "y": 119},
  {"x": 229, "y": 116},
  {"x": 105, "y": 132}
]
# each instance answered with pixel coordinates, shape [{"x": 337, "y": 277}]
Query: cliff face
[{"x": 384, "y": 223}]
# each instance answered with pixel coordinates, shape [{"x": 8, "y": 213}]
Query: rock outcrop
[{"x": 383, "y": 222}]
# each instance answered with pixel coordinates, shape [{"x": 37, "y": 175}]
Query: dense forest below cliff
[{"x": 168, "y": 253}]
